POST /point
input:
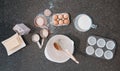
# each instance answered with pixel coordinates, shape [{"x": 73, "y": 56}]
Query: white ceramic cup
[{"x": 83, "y": 23}]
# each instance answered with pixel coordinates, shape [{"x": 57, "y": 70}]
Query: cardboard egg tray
[
  {"x": 60, "y": 19},
  {"x": 96, "y": 47}
]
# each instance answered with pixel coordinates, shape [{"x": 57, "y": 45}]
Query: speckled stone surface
[{"x": 105, "y": 14}]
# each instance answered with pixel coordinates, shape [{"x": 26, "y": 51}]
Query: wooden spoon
[{"x": 58, "y": 47}]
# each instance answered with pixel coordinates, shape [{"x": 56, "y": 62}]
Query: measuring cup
[{"x": 83, "y": 23}]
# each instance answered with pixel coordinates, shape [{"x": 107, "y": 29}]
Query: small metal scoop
[
  {"x": 36, "y": 38},
  {"x": 43, "y": 33}
]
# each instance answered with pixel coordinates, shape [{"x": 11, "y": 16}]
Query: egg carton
[
  {"x": 100, "y": 47},
  {"x": 60, "y": 19}
]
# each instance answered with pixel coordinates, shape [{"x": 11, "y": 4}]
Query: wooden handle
[{"x": 71, "y": 56}]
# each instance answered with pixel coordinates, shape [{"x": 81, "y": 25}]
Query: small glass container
[
  {"x": 91, "y": 40},
  {"x": 110, "y": 45},
  {"x": 101, "y": 43},
  {"x": 108, "y": 54},
  {"x": 90, "y": 50},
  {"x": 99, "y": 52}
]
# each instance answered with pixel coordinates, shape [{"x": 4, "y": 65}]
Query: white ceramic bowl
[{"x": 57, "y": 56}]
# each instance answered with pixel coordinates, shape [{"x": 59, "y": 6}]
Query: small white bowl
[
  {"x": 90, "y": 50},
  {"x": 99, "y": 52},
  {"x": 91, "y": 40},
  {"x": 101, "y": 42},
  {"x": 108, "y": 54},
  {"x": 110, "y": 45}
]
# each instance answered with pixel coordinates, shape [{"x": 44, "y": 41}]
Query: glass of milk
[{"x": 83, "y": 23}]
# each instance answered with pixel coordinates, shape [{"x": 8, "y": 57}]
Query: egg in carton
[
  {"x": 100, "y": 47},
  {"x": 60, "y": 19}
]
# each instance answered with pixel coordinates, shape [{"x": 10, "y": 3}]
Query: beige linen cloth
[{"x": 13, "y": 44}]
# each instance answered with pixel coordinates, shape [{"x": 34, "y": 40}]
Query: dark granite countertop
[{"x": 105, "y": 13}]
